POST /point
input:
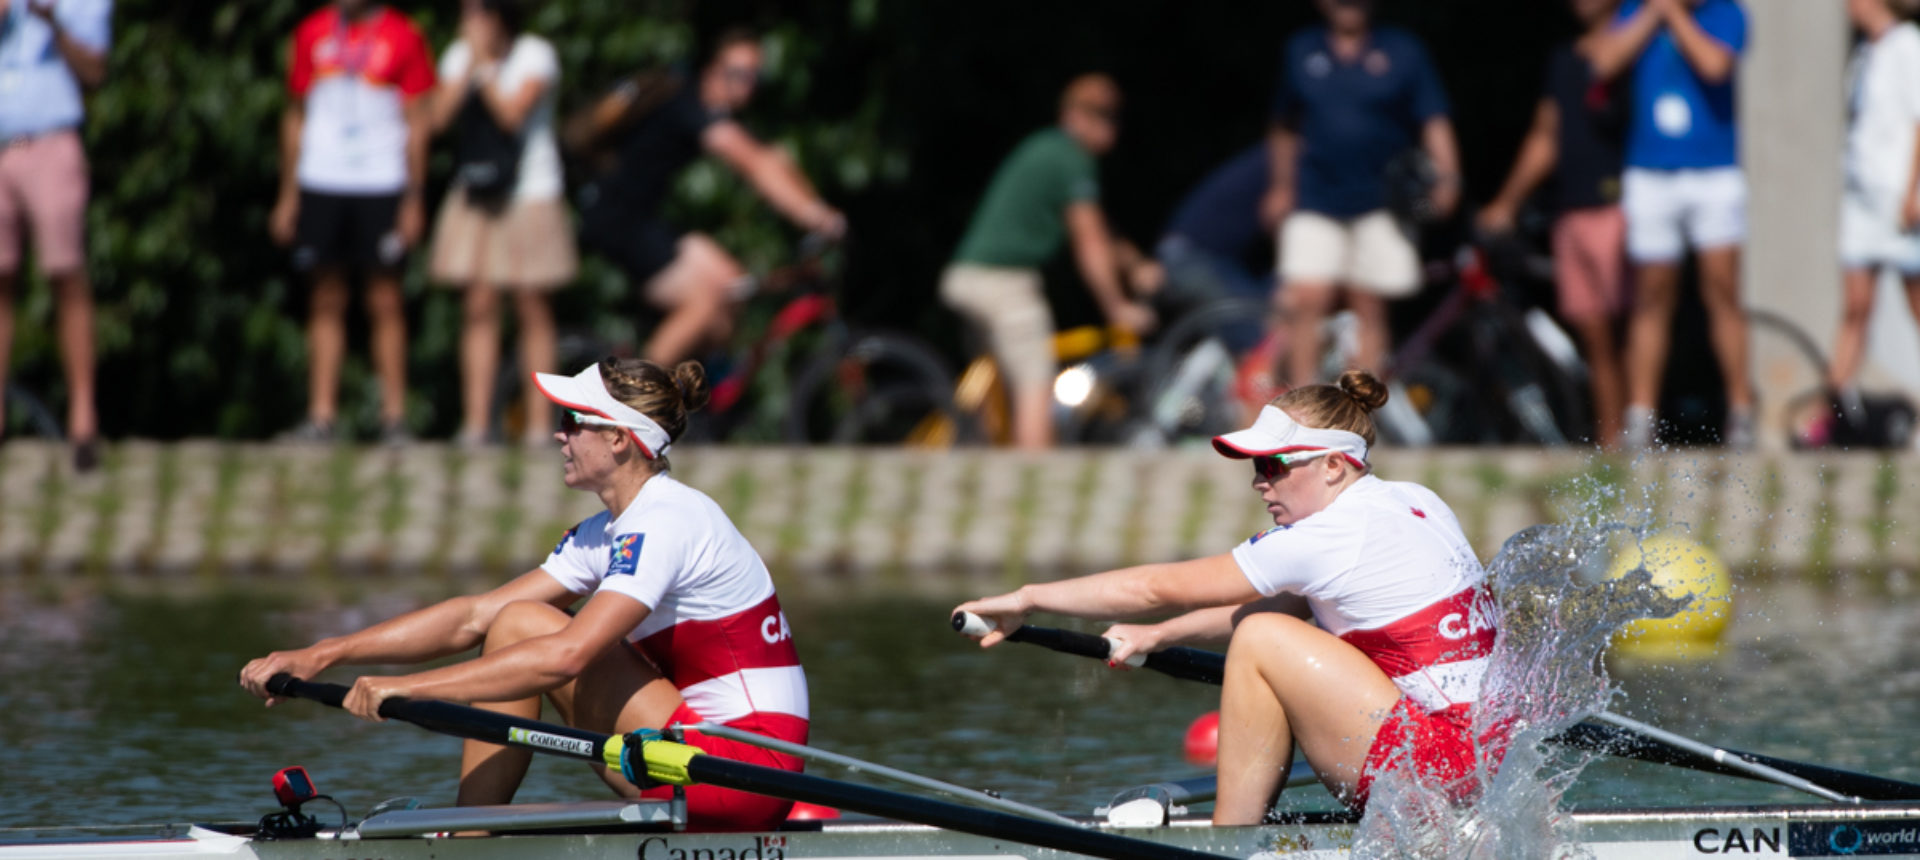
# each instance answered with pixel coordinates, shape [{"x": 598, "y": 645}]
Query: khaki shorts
[
  {"x": 1010, "y": 305},
  {"x": 1369, "y": 253},
  {"x": 528, "y": 245}
]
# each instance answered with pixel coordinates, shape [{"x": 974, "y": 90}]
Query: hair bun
[
  {"x": 1365, "y": 389},
  {"x": 691, "y": 379}
]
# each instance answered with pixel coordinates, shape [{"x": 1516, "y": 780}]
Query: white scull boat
[{"x": 645, "y": 830}]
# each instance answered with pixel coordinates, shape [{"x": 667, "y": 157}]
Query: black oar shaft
[
  {"x": 1622, "y": 743},
  {"x": 458, "y": 720},
  {"x": 476, "y": 724}
]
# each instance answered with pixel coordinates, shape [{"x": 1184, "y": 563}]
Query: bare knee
[
  {"x": 1306, "y": 302},
  {"x": 482, "y": 304},
  {"x": 383, "y": 299},
  {"x": 522, "y": 620}
]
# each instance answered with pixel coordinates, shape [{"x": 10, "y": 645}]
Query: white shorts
[
  {"x": 1870, "y": 235},
  {"x": 1668, "y": 210},
  {"x": 1368, "y": 253}
]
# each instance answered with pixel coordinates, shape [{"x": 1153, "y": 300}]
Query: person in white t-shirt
[
  {"x": 497, "y": 232},
  {"x": 681, "y": 624},
  {"x": 1360, "y": 623},
  {"x": 1880, "y": 209}
]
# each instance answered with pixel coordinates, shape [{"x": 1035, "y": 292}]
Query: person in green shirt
[{"x": 1045, "y": 192}]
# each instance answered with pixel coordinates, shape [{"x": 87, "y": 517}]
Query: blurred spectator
[
  {"x": 1682, "y": 186},
  {"x": 1352, "y": 98},
  {"x": 1046, "y": 191},
  {"x": 1880, "y": 209},
  {"x": 1576, "y": 139},
  {"x": 353, "y": 163},
  {"x": 504, "y": 223},
  {"x": 656, "y": 125},
  {"x": 49, "y": 51},
  {"x": 1216, "y": 229}
]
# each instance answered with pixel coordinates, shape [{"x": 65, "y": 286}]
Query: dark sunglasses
[{"x": 1273, "y": 467}]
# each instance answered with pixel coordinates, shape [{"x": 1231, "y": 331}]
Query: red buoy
[
  {"x": 811, "y": 812},
  {"x": 1203, "y": 739}
]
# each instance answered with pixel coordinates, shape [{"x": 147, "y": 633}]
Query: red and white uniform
[
  {"x": 1386, "y": 568},
  {"x": 356, "y": 80},
  {"x": 715, "y": 628}
]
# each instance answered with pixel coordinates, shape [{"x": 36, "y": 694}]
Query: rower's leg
[
  {"x": 1288, "y": 681},
  {"x": 490, "y": 773},
  {"x": 620, "y": 691}
]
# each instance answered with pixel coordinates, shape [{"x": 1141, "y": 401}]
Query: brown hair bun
[
  {"x": 691, "y": 379},
  {"x": 1365, "y": 389}
]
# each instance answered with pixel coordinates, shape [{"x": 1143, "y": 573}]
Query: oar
[
  {"x": 679, "y": 764},
  {"x": 1191, "y": 664},
  {"x": 1625, "y": 738}
]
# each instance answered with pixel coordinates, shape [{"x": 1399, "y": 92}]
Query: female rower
[
  {"x": 681, "y": 625},
  {"x": 1389, "y": 675}
]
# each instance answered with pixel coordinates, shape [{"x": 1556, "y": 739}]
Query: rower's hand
[
  {"x": 1005, "y": 613},
  {"x": 1131, "y": 639},
  {"x": 368, "y": 693},
  {"x": 302, "y": 664}
]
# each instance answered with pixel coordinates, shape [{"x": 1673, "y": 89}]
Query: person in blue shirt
[
  {"x": 1682, "y": 187},
  {"x": 50, "y": 51},
  {"x": 1352, "y": 99}
]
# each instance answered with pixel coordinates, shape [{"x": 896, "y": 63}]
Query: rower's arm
[
  {"x": 1211, "y": 581},
  {"x": 447, "y": 627},
  {"x": 1213, "y": 624},
  {"x": 531, "y": 666}
]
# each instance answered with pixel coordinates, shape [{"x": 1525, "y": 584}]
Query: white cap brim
[
  {"x": 587, "y": 392},
  {"x": 1275, "y": 432}
]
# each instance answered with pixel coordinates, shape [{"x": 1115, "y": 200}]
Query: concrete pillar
[{"x": 1793, "y": 123}]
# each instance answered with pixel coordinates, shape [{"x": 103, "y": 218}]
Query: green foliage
[{"x": 201, "y": 320}]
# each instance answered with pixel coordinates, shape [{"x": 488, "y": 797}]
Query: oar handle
[
  {"x": 1066, "y": 641},
  {"x": 1188, "y": 664},
  {"x": 332, "y": 695}
]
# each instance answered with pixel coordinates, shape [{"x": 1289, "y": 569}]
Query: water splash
[{"x": 1545, "y": 676}]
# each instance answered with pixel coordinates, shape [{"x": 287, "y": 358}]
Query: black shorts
[
  {"x": 354, "y": 230},
  {"x": 641, "y": 245}
]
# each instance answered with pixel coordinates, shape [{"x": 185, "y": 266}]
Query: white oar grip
[
  {"x": 969, "y": 624},
  {"x": 1136, "y": 659}
]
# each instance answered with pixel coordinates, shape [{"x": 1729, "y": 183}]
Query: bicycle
[
  {"x": 796, "y": 371},
  {"x": 1487, "y": 365}
]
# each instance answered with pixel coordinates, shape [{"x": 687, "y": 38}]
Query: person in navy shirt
[
  {"x": 1352, "y": 98},
  {"x": 1216, "y": 229},
  {"x": 1682, "y": 186}
]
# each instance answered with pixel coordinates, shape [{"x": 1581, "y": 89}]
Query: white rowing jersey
[
  {"x": 1386, "y": 568},
  {"x": 715, "y": 628}
]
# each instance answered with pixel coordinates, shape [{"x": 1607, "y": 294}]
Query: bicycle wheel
[
  {"x": 1789, "y": 369},
  {"x": 875, "y": 388},
  {"x": 1188, "y": 374}
]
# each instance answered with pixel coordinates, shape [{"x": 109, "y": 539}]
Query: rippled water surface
[{"x": 117, "y": 703}]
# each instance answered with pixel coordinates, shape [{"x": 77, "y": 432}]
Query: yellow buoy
[{"x": 1679, "y": 566}]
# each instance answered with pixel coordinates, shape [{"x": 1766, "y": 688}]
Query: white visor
[
  {"x": 587, "y": 393},
  {"x": 1275, "y": 432}
]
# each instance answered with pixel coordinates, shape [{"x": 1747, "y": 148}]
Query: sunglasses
[
  {"x": 1273, "y": 467},
  {"x": 571, "y": 421}
]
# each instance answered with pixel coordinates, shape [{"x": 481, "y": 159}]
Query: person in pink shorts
[
  {"x": 49, "y": 51},
  {"x": 1577, "y": 140}
]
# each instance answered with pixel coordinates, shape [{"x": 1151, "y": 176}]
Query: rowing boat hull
[{"x": 1879, "y": 830}]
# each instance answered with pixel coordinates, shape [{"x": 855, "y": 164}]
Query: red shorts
[
  {"x": 1439, "y": 746},
  {"x": 710, "y": 808}
]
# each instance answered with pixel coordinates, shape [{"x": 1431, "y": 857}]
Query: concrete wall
[{"x": 433, "y": 510}]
